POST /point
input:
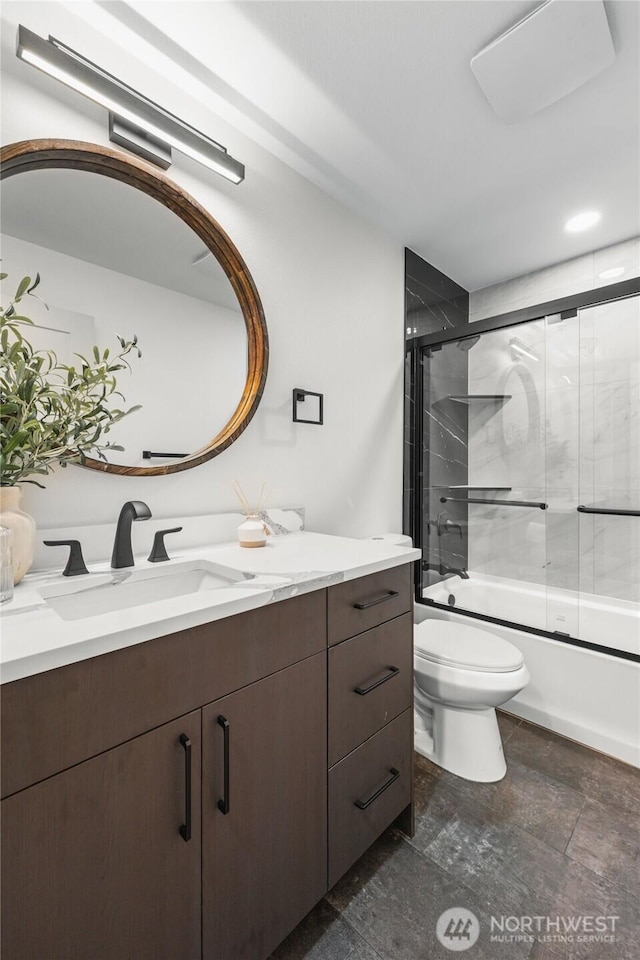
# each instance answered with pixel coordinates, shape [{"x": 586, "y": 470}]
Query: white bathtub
[{"x": 583, "y": 694}]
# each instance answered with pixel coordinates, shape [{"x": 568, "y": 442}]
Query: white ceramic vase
[
  {"x": 251, "y": 532},
  {"x": 23, "y": 528}
]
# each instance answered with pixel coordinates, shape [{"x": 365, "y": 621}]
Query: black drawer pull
[
  {"x": 363, "y": 804},
  {"x": 223, "y": 805},
  {"x": 393, "y": 672},
  {"x": 185, "y": 828},
  {"x": 371, "y": 603}
]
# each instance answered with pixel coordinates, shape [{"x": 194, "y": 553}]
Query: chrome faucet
[
  {"x": 445, "y": 568},
  {"x": 122, "y": 555}
]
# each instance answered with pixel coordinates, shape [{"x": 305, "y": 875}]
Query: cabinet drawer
[
  {"x": 359, "y": 605},
  {"x": 367, "y": 791},
  {"x": 370, "y": 683}
]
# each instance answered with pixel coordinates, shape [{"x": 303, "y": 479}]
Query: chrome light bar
[{"x": 136, "y": 122}]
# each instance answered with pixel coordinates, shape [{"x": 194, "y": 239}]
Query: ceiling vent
[{"x": 553, "y": 51}]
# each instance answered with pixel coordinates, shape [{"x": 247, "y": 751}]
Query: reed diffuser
[{"x": 252, "y": 532}]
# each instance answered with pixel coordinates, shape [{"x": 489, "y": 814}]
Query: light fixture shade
[{"x": 75, "y": 71}]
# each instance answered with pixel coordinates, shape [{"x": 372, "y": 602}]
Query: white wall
[{"x": 332, "y": 290}]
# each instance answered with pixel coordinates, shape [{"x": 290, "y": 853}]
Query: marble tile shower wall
[
  {"x": 559, "y": 280},
  {"x": 568, "y": 433}
]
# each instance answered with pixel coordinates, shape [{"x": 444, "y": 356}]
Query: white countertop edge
[{"x": 73, "y": 641}]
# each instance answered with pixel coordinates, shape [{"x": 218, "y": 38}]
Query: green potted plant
[{"x": 51, "y": 413}]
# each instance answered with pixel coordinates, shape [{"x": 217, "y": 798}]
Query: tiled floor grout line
[
  {"x": 575, "y": 826},
  {"x": 473, "y": 895}
]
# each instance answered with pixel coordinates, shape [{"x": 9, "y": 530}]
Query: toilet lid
[{"x": 470, "y": 648}]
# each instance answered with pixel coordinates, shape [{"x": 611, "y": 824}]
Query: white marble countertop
[{"x": 35, "y": 638}]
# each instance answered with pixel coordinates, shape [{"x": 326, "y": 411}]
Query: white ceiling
[
  {"x": 376, "y": 103},
  {"x": 480, "y": 199}
]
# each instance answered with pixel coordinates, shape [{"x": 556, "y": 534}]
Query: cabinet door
[
  {"x": 94, "y": 864},
  {"x": 264, "y": 825}
]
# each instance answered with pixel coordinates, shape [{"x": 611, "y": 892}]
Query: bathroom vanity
[{"x": 195, "y": 794}]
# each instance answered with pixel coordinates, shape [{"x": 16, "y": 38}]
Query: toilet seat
[{"x": 465, "y": 647}]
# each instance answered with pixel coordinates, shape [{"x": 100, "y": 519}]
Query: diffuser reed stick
[{"x": 265, "y": 493}]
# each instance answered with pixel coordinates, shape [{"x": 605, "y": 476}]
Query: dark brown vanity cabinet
[
  {"x": 370, "y": 720},
  {"x": 94, "y": 866},
  {"x": 128, "y": 834},
  {"x": 264, "y": 833}
]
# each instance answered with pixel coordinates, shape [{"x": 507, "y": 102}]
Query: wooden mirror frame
[{"x": 70, "y": 154}]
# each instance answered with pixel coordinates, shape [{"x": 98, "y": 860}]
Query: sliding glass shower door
[
  {"x": 609, "y": 489},
  {"x": 525, "y": 430}
]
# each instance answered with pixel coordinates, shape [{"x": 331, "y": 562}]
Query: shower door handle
[{"x": 610, "y": 513}]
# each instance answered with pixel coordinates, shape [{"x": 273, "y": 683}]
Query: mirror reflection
[{"x": 115, "y": 261}]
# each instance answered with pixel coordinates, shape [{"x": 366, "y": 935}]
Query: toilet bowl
[{"x": 461, "y": 674}]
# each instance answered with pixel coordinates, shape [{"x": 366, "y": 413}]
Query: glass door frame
[{"x": 414, "y": 353}]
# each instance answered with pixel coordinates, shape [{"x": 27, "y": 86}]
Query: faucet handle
[
  {"x": 75, "y": 564},
  {"x": 158, "y": 550}
]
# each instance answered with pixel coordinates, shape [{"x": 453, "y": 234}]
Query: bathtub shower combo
[{"x": 526, "y": 504}]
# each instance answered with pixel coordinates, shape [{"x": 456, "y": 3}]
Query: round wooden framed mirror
[{"x": 206, "y": 334}]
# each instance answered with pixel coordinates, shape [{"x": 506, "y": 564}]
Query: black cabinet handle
[
  {"x": 363, "y": 804},
  {"x": 372, "y": 603},
  {"x": 393, "y": 671},
  {"x": 223, "y": 805},
  {"x": 185, "y": 828}
]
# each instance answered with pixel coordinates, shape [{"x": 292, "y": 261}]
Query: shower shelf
[{"x": 489, "y": 397}]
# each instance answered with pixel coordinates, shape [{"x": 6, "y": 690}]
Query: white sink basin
[{"x": 98, "y": 594}]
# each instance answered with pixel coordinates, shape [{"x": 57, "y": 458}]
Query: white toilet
[{"x": 461, "y": 674}]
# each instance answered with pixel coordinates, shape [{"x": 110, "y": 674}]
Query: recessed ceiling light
[
  {"x": 582, "y": 221},
  {"x": 610, "y": 274}
]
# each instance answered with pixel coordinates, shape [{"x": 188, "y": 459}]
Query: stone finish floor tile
[
  {"x": 593, "y": 774},
  {"x": 558, "y": 837},
  {"x": 526, "y": 798},
  {"x": 324, "y": 935},
  {"x": 607, "y": 840},
  {"x": 508, "y": 723},
  {"x": 393, "y": 897}
]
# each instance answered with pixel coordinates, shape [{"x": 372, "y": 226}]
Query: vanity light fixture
[
  {"x": 582, "y": 221},
  {"x": 135, "y": 122},
  {"x": 520, "y": 349}
]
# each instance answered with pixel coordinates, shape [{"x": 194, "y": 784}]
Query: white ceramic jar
[{"x": 251, "y": 532}]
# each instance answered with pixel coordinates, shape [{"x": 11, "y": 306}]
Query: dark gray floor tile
[
  {"x": 525, "y": 797},
  {"x": 324, "y": 935},
  {"x": 495, "y": 858},
  {"x": 607, "y": 840},
  {"x": 523, "y": 876},
  {"x": 507, "y": 723},
  {"x": 593, "y": 774},
  {"x": 583, "y": 894},
  {"x": 394, "y": 896}
]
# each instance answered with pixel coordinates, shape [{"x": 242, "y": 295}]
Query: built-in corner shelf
[
  {"x": 464, "y": 486},
  {"x": 486, "y": 397}
]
